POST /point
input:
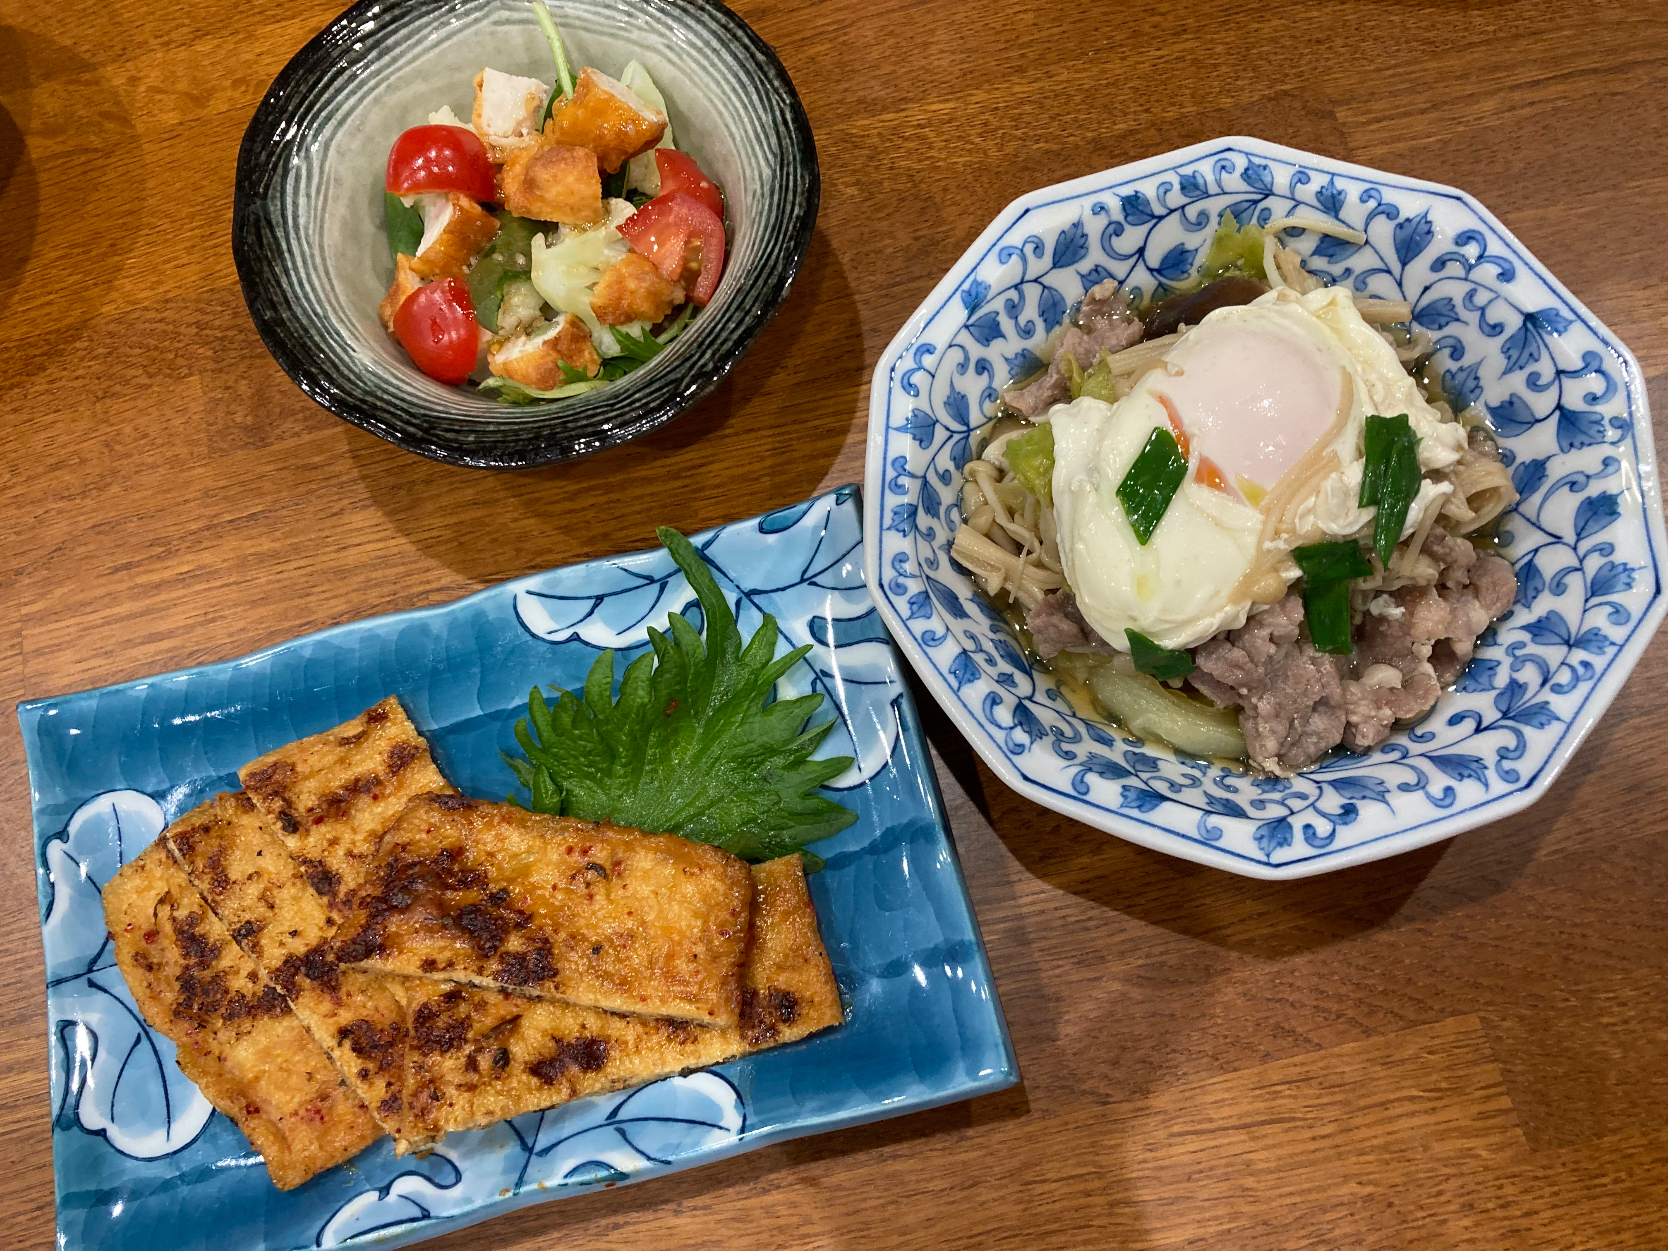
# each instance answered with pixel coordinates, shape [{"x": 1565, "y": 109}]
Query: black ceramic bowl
[{"x": 308, "y": 228}]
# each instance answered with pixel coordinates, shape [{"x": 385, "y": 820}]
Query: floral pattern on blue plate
[
  {"x": 1564, "y": 394},
  {"x": 142, "y": 1160}
]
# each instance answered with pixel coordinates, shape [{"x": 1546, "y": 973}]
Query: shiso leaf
[{"x": 694, "y": 744}]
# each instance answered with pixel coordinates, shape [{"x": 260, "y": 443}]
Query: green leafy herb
[
  {"x": 1326, "y": 607},
  {"x": 638, "y": 199},
  {"x": 1332, "y": 562},
  {"x": 1152, "y": 482},
  {"x": 513, "y": 392},
  {"x": 695, "y": 744},
  {"x": 1161, "y": 662},
  {"x": 637, "y": 350},
  {"x": 509, "y": 256},
  {"x": 564, "y": 76},
  {"x": 1390, "y": 478},
  {"x": 1031, "y": 457},
  {"x": 405, "y": 226}
]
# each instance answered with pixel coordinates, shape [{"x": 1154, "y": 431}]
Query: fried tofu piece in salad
[
  {"x": 455, "y": 231},
  {"x": 536, "y": 360},
  {"x": 552, "y": 181},
  {"x": 608, "y": 118},
  {"x": 494, "y": 1055},
  {"x": 496, "y": 896},
  {"x": 233, "y": 1031},
  {"x": 634, "y": 289},
  {"x": 507, "y": 111},
  {"x": 405, "y": 282}
]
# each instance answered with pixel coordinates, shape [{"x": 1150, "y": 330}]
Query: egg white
[{"x": 1184, "y": 585}]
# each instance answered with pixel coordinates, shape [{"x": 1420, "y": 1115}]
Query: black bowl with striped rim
[{"x": 311, "y": 249}]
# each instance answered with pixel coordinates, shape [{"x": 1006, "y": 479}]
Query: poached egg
[{"x": 1268, "y": 402}]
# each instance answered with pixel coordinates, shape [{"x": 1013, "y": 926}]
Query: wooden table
[{"x": 1465, "y": 1047}]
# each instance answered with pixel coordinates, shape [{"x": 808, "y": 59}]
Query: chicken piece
[
  {"x": 455, "y": 230},
  {"x": 331, "y": 795},
  {"x": 507, "y": 111},
  {"x": 494, "y": 1055},
  {"x": 633, "y": 289},
  {"x": 264, "y": 897},
  {"x": 493, "y": 895},
  {"x": 608, "y": 118},
  {"x": 405, "y": 282},
  {"x": 550, "y": 181},
  {"x": 233, "y": 1031},
  {"x": 536, "y": 360}
]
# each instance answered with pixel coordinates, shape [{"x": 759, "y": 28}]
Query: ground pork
[
  {"x": 1296, "y": 703},
  {"x": 1104, "y": 323},
  {"x": 1057, "y": 626}
]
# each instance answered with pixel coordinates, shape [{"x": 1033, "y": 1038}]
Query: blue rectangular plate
[{"x": 141, "y": 1159}]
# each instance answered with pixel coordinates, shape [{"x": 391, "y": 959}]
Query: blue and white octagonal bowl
[{"x": 1563, "y": 393}]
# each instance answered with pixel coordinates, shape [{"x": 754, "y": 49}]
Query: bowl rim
[
  {"x": 1394, "y": 841},
  {"x": 256, "y": 161}
]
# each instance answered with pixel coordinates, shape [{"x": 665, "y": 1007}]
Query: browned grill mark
[
  {"x": 527, "y": 968},
  {"x": 376, "y": 715},
  {"x": 245, "y": 932},
  {"x": 435, "y": 1028},
  {"x": 319, "y": 876},
  {"x": 271, "y": 780},
  {"x": 450, "y": 803},
  {"x": 317, "y": 964},
  {"x": 377, "y": 1046},
  {"x": 764, "y": 1013},
  {"x": 391, "y": 1105},
  {"x": 400, "y": 755},
  {"x": 588, "y": 1055},
  {"x": 287, "y": 822},
  {"x": 334, "y": 806}
]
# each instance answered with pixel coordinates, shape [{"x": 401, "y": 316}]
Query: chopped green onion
[
  {"x": 1161, "y": 662},
  {"x": 1151, "y": 483},
  {"x": 1031, "y": 457},
  {"x": 1326, "y": 606},
  {"x": 1332, "y": 562},
  {"x": 405, "y": 226},
  {"x": 1390, "y": 478}
]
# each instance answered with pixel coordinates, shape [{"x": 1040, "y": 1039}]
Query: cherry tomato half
[
  {"x": 441, "y": 158},
  {"x": 437, "y": 328},
  {"x": 685, "y": 240},
  {"x": 680, "y": 175}
]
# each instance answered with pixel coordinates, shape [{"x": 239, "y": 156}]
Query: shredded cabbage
[
  {"x": 1031, "y": 457},
  {"x": 566, "y": 272},
  {"x": 643, "y": 174},
  {"x": 1235, "y": 249}
]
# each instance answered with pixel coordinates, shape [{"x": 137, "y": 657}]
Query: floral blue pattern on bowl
[
  {"x": 142, "y": 1161},
  {"x": 1563, "y": 393}
]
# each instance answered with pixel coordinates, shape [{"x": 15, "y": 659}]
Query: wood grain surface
[{"x": 1464, "y": 1047}]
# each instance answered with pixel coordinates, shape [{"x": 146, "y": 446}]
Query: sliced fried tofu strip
[
  {"x": 493, "y": 1056},
  {"x": 262, "y": 895},
  {"x": 233, "y": 1031},
  {"x": 331, "y": 795},
  {"x": 405, "y": 282},
  {"x": 607, "y": 117},
  {"x": 496, "y": 896}
]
